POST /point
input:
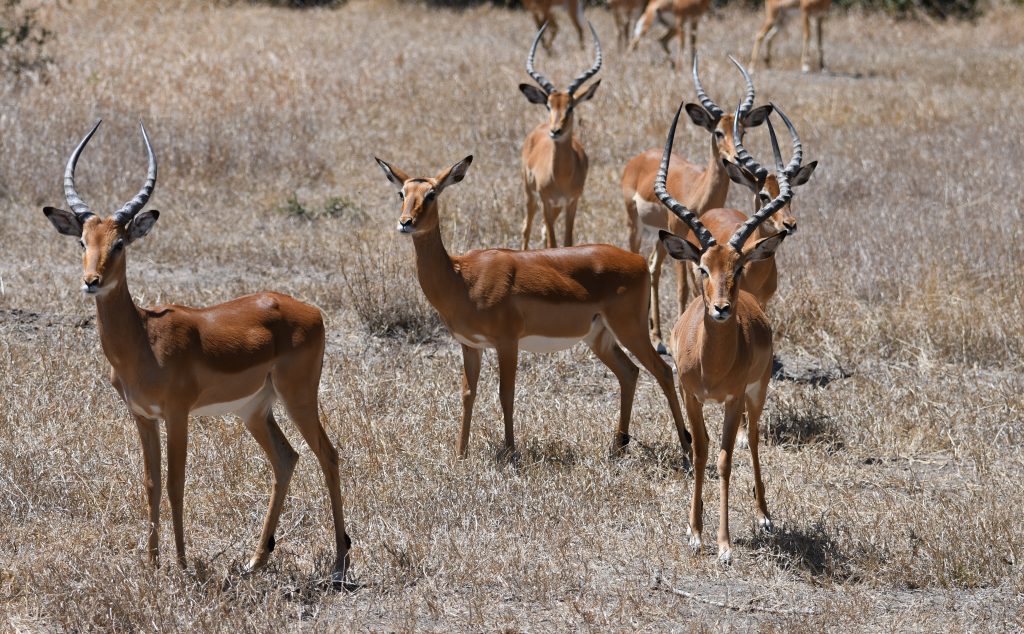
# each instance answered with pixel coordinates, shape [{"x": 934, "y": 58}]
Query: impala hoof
[
  {"x": 806, "y": 69},
  {"x": 661, "y": 348},
  {"x": 695, "y": 543},
  {"x": 742, "y": 440},
  {"x": 766, "y": 526},
  {"x": 725, "y": 558}
]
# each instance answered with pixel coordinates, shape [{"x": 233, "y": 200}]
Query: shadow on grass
[
  {"x": 801, "y": 421},
  {"x": 810, "y": 549}
]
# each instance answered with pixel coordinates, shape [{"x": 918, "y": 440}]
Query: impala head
[
  {"x": 709, "y": 116},
  {"x": 419, "y": 195},
  {"x": 766, "y": 185},
  {"x": 720, "y": 266},
  {"x": 560, "y": 104},
  {"x": 103, "y": 240}
]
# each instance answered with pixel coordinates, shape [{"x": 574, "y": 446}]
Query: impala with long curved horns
[
  {"x": 172, "y": 361},
  {"x": 698, "y": 187},
  {"x": 722, "y": 344},
  {"x": 539, "y": 301},
  {"x": 554, "y": 161}
]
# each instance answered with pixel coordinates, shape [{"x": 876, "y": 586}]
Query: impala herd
[{"x": 242, "y": 356}]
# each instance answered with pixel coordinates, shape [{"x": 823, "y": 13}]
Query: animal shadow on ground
[
  {"x": 666, "y": 458},
  {"x": 800, "y": 370},
  {"x": 809, "y": 549},
  {"x": 800, "y": 419}
]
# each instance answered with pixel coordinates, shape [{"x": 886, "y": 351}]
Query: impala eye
[
  {"x": 704, "y": 271},
  {"x": 82, "y": 243},
  {"x": 429, "y": 197},
  {"x": 719, "y": 134},
  {"x": 118, "y": 247},
  {"x": 401, "y": 195}
]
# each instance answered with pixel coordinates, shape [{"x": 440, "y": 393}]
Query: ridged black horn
[
  {"x": 545, "y": 85},
  {"x": 576, "y": 83},
  {"x": 699, "y": 230},
  {"x": 748, "y": 103},
  {"x": 739, "y": 238},
  {"x": 712, "y": 108},
  {"x": 133, "y": 206},
  {"x": 798, "y": 148},
  {"x": 78, "y": 207}
]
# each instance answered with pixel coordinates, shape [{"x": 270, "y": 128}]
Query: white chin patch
[{"x": 99, "y": 292}]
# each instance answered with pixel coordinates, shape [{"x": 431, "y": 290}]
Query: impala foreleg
[
  {"x": 570, "y": 220},
  {"x": 471, "y": 358},
  {"x": 282, "y": 457},
  {"x": 575, "y": 10},
  {"x": 149, "y": 434},
  {"x": 695, "y": 414},
  {"x": 657, "y": 258},
  {"x": 550, "y": 214},
  {"x": 177, "y": 451},
  {"x": 602, "y": 342},
  {"x": 643, "y": 25},
  {"x": 634, "y": 228},
  {"x": 804, "y": 66},
  {"x": 821, "y": 46},
  {"x": 754, "y": 407},
  {"x": 508, "y": 362},
  {"x": 683, "y": 284},
  {"x": 531, "y": 210},
  {"x": 733, "y": 416}
]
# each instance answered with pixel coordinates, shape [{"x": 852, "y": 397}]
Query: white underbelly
[
  {"x": 473, "y": 342},
  {"x": 222, "y": 409},
  {"x": 537, "y": 343},
  {"x": 653, "y": 215}
]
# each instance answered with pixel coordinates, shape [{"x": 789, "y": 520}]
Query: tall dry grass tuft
[{"x": 892, "y": 482}]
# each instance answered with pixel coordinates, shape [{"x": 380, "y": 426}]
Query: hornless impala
[
  {"x": 172, "y": 361},
  {"x": 664, "y": 10},
  {"x": 623, "y": 12},
  {"x": 777, "y": 13},
  {"x": 541, "y": 10},
  {"x": 723, "y": 343},
  {"x": 699, "y": 188},
  {"x": 540, "y": 301},
  {"x": 554, "y": 161}
]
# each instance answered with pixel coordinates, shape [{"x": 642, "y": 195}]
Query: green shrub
[{"x": 333, "y": 207}]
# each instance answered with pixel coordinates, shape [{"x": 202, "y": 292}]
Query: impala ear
[
  {"x": 701, "y": 117},
  {"x": 756, "y": 117},
  {"x": 765, "y": 249},
  {"x": 534, "y": 94},
  {"x": 741, "y": 176},
  {"x": 395, "y": 175},
  {"x": 590, "y": 92},
  {"x": 64, "y": 221},
  {"x": 140, "y": 225},
  {"x": 804, "y": 174},
  {"x": 453, "y": 174},
  {"x": 679, "y": 248}
]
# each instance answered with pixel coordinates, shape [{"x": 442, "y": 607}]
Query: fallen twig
[{"x": 658, "y": 583}]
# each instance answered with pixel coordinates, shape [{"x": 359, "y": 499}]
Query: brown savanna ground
[{"x": 893, "y": 451}]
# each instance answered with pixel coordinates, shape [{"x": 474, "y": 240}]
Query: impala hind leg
[
  {"x": 575, "y": 10},
  {"x": 733, "y": 414},
  {"x": 149, "y": 434},
  {"x": 260, "y": 422},
  {"x": 300, "y": 401},
  {"x": 754, "y": 407},
  {"x": 602, "y": 342},
  {"x": 631, "y": 335},
  {"x": 471, "y": 358},
  {"x": 177, "y": 451},
  {"x": 805, "y": 67},
  {"x": 821, "y": 46},
  {"x": 695, "y": 414},
  {"x": 508, "y": 361}
]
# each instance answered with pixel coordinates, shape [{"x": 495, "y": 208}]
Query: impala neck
[
  {"x": 714, "y": 181},
  {"x": 718, "y": 345},
  {"x": 122, "y": 332},
  {"x": 440, "y": 281}
]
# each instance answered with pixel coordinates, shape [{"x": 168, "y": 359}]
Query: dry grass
[{"x": 897, "y": 488}]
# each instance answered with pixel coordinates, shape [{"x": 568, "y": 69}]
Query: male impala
[
  {"x": 664, "y": 10},
  {"x": 541, "y": 10},
  {"x": 777, "y": 13},
  {"x": 172, "y": 361},
  {"x": 554, "y": 161},
  {"x": 722, "y": 344},
  {"x": 699, "y": 188},
  {"x": 540, "y": 301}
]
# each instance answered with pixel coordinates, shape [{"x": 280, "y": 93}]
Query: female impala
[
  {"x": 172, "y": 361},
  {"x": 664, "y": 11},
  {"x": 777, "y": 13},
  {"x": 539, "y": 301},
  {"x": 541, "y": 10},
  {"x": 554, "y": 161},
  {"x": 699, "y": 188},
  {"x": 722, "y": 344}
]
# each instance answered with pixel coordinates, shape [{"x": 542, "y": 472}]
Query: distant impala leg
[
  {"x": 531, "y": 210},
  {"x": 570, "y": 220},
  {"x": 805, "y": 67},
  {"x": 550, "y": 215},
  {"x": 149, "y": 433},
  {"x": 265, "y": 430},
  {"x": 602, "y": 342},
  {"x": 508, "y": 360},
  {"x": 177, "y": 450},
  {"x": 821, "y": 46},
  {"x": 657, "y": 258},
  {"x": 470, "y": 375}
]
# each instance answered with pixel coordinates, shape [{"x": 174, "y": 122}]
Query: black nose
[
  {"x": 723, "y": 308},
  {"x": 406, "y": 224}
]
